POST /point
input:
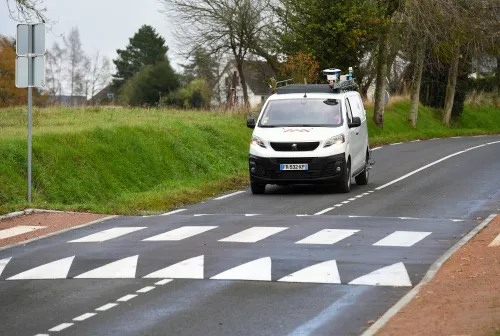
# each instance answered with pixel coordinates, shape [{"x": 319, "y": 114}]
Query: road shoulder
[
  {"x": 28, "y": 227},
  {"x": 464, "y": 296}
]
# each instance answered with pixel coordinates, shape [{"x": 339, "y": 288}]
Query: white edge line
[
  {"x": 375, "y": 148},
  {"x": 324, "y": 211},
  {"x": 229, "y": 195},
  {"x": 58, "y": 232},
  {"x": 172, "y": 212},
  {"x": 432, "y": 164},
  {"x": 427, "y": 278}
]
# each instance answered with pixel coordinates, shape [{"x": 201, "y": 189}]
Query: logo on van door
[{"x": 294, "y": 147}]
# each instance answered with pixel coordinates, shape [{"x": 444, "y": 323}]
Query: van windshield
[{"x": 304, "y": 112}]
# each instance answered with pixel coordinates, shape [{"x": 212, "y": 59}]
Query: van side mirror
[
  {"x": 251, "y": 122},
  {"x": 356, "y": 122}
]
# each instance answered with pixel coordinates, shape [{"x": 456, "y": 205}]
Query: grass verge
[{"x": 139, "y": 161}]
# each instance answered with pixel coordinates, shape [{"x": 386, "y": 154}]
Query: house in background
[
  {"x": 103, "y": 97},
  {"x": 257, "y": 74},
  {"x": 67, "y": 100}
]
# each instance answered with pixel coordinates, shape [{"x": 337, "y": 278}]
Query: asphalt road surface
[{"x": 295, "y": 261}]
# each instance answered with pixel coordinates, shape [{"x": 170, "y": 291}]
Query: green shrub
[{"x": 149, "y": 85}]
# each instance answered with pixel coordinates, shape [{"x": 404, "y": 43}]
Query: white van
[{"x": 309, "y": 134}]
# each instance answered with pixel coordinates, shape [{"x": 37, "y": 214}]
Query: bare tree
[
  {"x": 50, "y": 73},
  {"x": 97, "y": 73},
  {"x": 27, "y": 10},
  {"x": 55, "y": 65},
  {"x": 234, "y": 26},
  {"x": 76, "y": 60}
]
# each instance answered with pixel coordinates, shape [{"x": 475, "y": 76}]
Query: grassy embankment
[{"x": 134, "y": 161}]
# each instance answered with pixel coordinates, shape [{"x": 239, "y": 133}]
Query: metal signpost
[{"x": 30, "y": 70}]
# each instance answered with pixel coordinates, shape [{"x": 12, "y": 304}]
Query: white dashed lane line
[
  {"x": 145, "y": 289},
  {"x": 105, "y": 307},
  {"x": 84, "y": 317},
  {"x": 126, "y": 298},
  {"x": 61, "y": 327}
]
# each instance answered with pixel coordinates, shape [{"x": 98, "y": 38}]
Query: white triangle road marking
[
  {"x": 393, "y": 275},
  {"x": 495, "y": 242},
  {"x": 121, "y": 269},
  {"x": 325, "y": 272},
  {"x": 58, "y": 269},
  {"x": 4, "y": 263},
  {"x": 188, "y": 269},
  {"x": 259, "y": 270}
]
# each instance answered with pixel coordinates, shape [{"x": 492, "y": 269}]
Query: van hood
[{"x": 294, "y": 134}]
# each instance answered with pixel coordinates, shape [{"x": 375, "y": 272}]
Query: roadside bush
[
  {"x": 149, "y": 85},
  {"x": 196, "y": 94}
]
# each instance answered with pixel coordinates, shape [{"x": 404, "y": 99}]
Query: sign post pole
[
  {"x": 30, "y": 92},
  {"x": 30, "y": 73}
]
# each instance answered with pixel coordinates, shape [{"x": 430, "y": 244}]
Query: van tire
[
  {"x": 257, "y": 189},
  {"x": 364, "y": 176},
  {"x": 345, "y": 182}
]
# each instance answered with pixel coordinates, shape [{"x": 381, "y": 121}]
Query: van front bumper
[{"x": 321, "y": 170}]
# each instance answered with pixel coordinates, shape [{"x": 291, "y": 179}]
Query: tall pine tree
[{"x": 146, "y": 47}]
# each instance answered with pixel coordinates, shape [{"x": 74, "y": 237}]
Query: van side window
[
  {"x": 362, "y": 108},
  {"x": 356, "y": 108},
  {"x": 349, "y": 110}
]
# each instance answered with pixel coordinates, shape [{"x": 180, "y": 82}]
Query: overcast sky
[{"x": 105, "y": 25}]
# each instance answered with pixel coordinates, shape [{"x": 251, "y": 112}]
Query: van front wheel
[
  {"x": 345, "y": 182},
  {"x": 362, "y": 179}
]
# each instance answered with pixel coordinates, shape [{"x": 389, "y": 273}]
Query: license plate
[{"x": 294, "y": 167}]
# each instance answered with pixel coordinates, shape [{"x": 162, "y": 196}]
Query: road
[{"x": 295, "y": 261}]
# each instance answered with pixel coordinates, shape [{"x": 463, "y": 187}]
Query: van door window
[
  {"x": 362, "y": 108},
  {"x": 356, "y": 108},
  {"x": 349, "y": 110}
]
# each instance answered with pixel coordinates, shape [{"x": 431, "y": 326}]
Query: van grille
[{"x": 294, "y": 146}]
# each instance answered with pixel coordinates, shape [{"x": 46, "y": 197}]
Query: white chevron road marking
[
  {"x": 58, "y": 269},
  {"x": 325, "y": 272}
]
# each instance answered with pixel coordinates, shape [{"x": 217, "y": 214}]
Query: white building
[{"x": 257, "y": 75}]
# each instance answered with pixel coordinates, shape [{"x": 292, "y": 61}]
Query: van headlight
[
  {"x": 256, "y": 141},
  {"x": 335, "y": 140}
]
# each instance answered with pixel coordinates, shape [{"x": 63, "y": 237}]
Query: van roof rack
[
  {"x": 343, "y": 86},
  {"x": 336, "y": 84}
]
